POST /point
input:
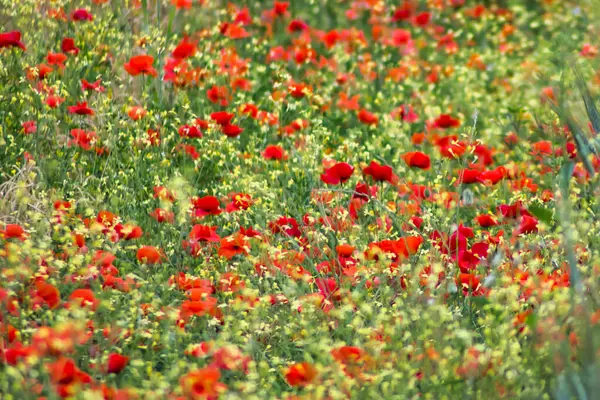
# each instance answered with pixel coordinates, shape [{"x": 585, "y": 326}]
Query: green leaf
[
  {"x": 590, "y": 107},
  {"x": 566, "y": 172},
  {"x": 541, "y": 213}
]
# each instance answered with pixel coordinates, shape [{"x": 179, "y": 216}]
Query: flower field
[{"x": 336, "y": 199}]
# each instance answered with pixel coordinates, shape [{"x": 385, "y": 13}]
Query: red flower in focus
[
  {"x": 116, "y": 363},
  {"x": 233, "y": 245},
  {"x": 189, "y": 131},
  {"x": 80, "y": 109},
  {"x": 140, "y": 65},
  {"x": 286, "y": 225},
  {"x": 239, "y": 201},
  {"x": 337, "y": 174},
  {"x": 486, "y": 220},
  {"x": 203, "y": 233},
  {"x": 11, "y": 39},
  {"x": 128, "y": 231},
  {"x": 273, "y": 152},
  {"x": 68, "y": 46},
  {"x": 149, "y": 255},
  {"x": 470, "y": 284},
  {"x": 300, "y": 374},
  {"x": 231, "y": 130},
  {"x": 207, "y": 205},
  {"x": 417, "y": 159},
  {"x": 380, "y": 173},
  {"x": 528, "y": 224},
  {"x": 198, "y": 235},
  {"x": 222, "y": 117}
]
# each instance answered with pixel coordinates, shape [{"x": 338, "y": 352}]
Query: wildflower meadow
[{"x": 334, "y": 199}]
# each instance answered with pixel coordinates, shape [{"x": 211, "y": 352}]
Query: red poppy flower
[
  {"x": 221, "y": 117},
  {"x": 239, "y": 201},
  {"x": 116, "y": 363},
  {"x": 486, "y": 220},
  {"x": 41, "y": 71},
  {"x": 337, "y": 174},
  {"x": 80, "y": 109},
  {"x": 54, "y": 101},
  {"x": 297, "y": 25},
  {"x": 182, "y": 4},
  {"x": 298, "y": 90},
  {"x": 47, "y": 293},
  {"x": 273, "y": 152},
  {"x": 189, "y": 131},
  {"x": 367, "y": 117},
  {"x": 231, "y": 130},
  {"x": 128, "y": 231},
  {"x": 29, "y": 127},
  {"x": 541, "y": 148},
  {"x": 84, "y": 298},
  {"x": 136, "y": 113},
  {"x": 417, "y": 159},
  {"x": 380, "y": 173},
  {"x": 92, "y": 87},
  {"x": 218, "y": 94},
  {"x": 189, "y": 150},
  {"x": 203, "y": 233},
  {"x": 207, "y": 205},
  {"x": 233, "y": 245},
  {"x": 280, "y": 7},
  {"x": 56, "y": 59},
  {"x": 202, "y": 384},
  {"x": 446, "y": 121},
  {"x": 184, "y": 49},
  {"x": 470, "y": 284},
  {"x": 161, "y": 215},
  {"x": 141, "y": 65},
  {"x": 81, "y": 15},
  {"x": 300, "y": 374},
  {"x": 492, "y": 177},
  {"x": 207, "y": 305},
  {"x": 153, "y": 136},
  {"x": 68, "y": 46},
  {"x": 82, "y": 138},
  {"x": 149, "y": 255},
  {"x": 527, "y": 225},
  {"x": 64, "y": 372},
  {"x": 11, "y": 39}
]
